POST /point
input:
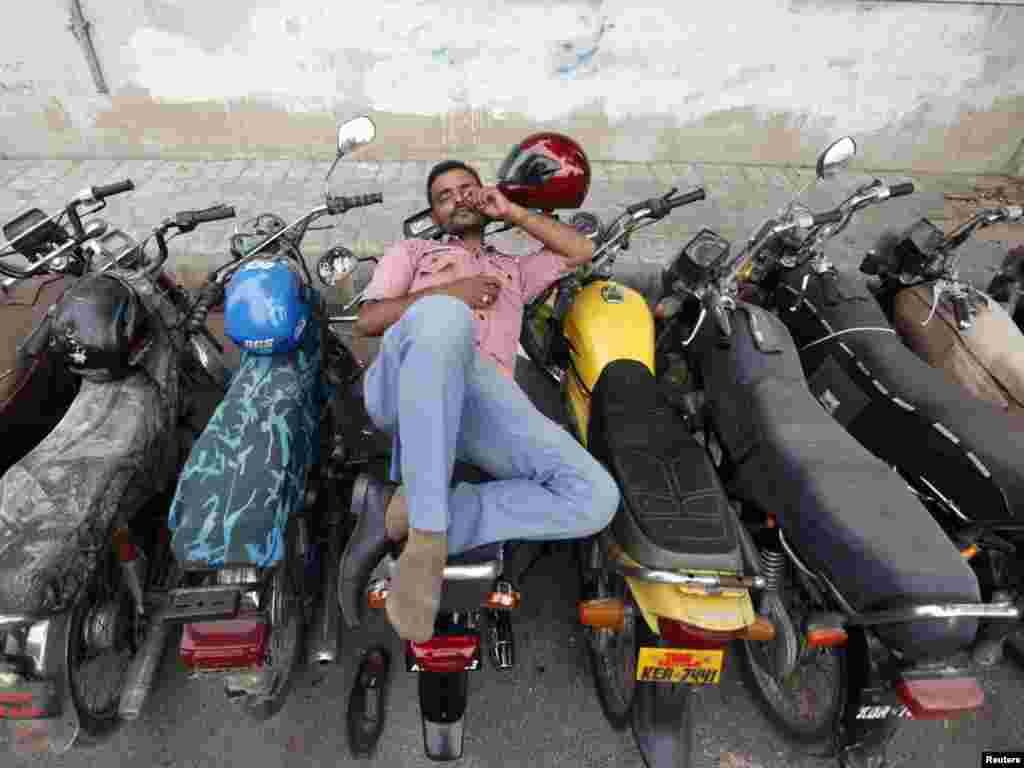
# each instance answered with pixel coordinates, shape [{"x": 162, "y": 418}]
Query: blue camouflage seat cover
[{"x": 246, "y": 474}]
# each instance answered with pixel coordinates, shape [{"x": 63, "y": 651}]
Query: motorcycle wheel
[
  {"x": 808, "y": 703},
  {"x": 287, "y": 631},
  {"x": 104, "y": 636},
  {"x": 613, "y": 657}
]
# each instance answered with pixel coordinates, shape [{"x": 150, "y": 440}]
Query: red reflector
[
  {"x": 228, "y": 644},
  {"x": 683, "y": 635},
  {"x": 941, "y": 699}
]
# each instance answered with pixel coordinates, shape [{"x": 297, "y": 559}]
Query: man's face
[{"x": 447, "y": 202}]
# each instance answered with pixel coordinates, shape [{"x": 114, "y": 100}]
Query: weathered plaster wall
[{"x": 925, "y": 87}]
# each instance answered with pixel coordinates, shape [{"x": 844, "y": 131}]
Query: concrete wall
[{"x": 922, "y": 86}]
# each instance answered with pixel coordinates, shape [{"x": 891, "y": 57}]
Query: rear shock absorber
[{"x": 773, "y": 561}]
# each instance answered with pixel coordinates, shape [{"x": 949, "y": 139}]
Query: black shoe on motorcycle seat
[
  {"x": 368, "y": 543},
  {"x": 367, "y": 704}
]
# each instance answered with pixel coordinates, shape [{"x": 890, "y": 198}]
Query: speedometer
[{"x": 699, "y": 259}]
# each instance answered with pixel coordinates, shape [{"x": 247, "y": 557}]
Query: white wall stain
[{"x": 657, "y": 55}]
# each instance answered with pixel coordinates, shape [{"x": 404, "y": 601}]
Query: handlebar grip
[
  {"x": 214, "y": 213},
  {"x": 342, "y": 203},
  {"x": 898, "y": 190},
  {"x": 106, "y": 190},
  {"x": 828, "y": 217},
  {"x": 690, "y": 197}
]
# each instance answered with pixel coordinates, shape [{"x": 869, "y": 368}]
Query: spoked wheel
[
  {"x": 288, "y": 620},
  {"x": 613, "y": 655},
  {"x": 808, "y": 702},
  {"x": 104, "y": 636}
]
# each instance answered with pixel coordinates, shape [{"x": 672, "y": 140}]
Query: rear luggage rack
[
  {"x": 709, "y": 582},
  {"x": 202, "y": 604}
]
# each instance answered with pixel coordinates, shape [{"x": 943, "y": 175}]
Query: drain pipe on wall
[{"x": 80, "y": 29}]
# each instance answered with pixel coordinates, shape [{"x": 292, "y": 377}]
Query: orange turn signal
[
  {"x": 826, "y": 637},
  {"x": 762, "y": 629},
  {"x": 604, "y": 613},
  {"x": 502, "y": 600},
  {"x": 968, "y": 552},
  {"x": 375, "y": 597}
]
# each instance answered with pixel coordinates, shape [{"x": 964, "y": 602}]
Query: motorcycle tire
[
  {"x": 288, "y": 637},
  {"x": 614, "y": 661},
  {"x": 770, "y": 692}
]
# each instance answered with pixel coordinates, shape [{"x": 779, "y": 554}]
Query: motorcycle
[
  {"x": 872, "y": 605},
  {"x": 959, "y": 454},
  {"x": 35, "y": 391},
  {"x": 950, "y": 324},
  {"x": 667, "y": 587},
  {"x": 249, "y": 517},
  {"x": 82, "y": 555}
]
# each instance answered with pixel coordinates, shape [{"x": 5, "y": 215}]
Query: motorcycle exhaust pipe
[
  {"x": 142, "y": 672},
  {"x": 327, "y": 629}
]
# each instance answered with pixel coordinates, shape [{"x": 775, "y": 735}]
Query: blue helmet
[{"x": 266, "y": 307}]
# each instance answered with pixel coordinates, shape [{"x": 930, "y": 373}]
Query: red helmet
[{"x": 546, "y": 171}]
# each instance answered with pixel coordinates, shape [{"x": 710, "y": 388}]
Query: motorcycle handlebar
[
  {"x": 828, "y": 217},
  {"x": 342, "y": 203},
  {"x": 108, "y": 190}
]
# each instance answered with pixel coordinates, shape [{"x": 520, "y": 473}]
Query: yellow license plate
[{"x": 671, "y": 665}]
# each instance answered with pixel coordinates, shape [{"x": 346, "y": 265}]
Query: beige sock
[
  {"x": 415, "y": 594},
  {"x": 396, "y": 517}
]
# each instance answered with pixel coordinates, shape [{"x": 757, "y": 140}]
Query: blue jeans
[{"x": 441, "y": 401}]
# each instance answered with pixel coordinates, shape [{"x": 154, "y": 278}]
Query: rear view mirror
[
  {"x": 352, "y": 134},
  {"x": 355, "y": 133},
  {"x": 835, "y": 157}
]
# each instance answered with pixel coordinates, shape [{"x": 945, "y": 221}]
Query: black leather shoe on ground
[
  {"x": 367, "y": 704},
  {"x": 366, "y": 546}
]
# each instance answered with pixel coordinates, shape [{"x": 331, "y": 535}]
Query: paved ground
[{"x": 545, "y": 712}]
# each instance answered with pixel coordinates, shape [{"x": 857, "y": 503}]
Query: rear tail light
[
  {"x": 208, "y": 646},
  {"x": 825, "y": 631},
  {"x": 682, "y": 635},
  {"x": 444, "y": 653},
  {"x": 942, "y": 698},
  {"x": 603, "y": 613}
]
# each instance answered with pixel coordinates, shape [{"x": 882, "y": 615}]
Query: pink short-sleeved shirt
[{"x": 414, "y": 264}]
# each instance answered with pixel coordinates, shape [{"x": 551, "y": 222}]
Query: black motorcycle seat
[
  {"x": 674, "y": 512},
  {"x": 987, "y": 445},
  {"x": 109, "y": 454},
  {"x": 846, "y": 513}
]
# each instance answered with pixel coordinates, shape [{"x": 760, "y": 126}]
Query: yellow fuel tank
[{"x": 607, "y": 321}]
